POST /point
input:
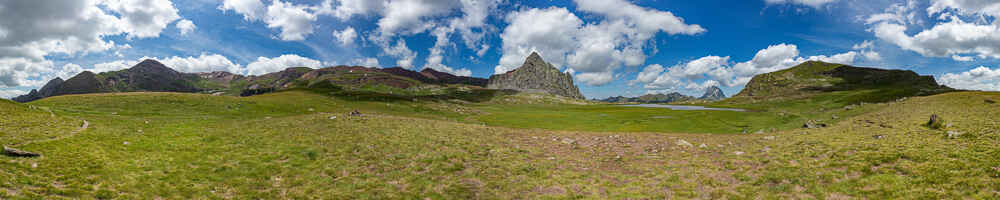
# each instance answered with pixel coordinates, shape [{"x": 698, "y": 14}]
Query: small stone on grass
[{"x": 954, "y": 134}]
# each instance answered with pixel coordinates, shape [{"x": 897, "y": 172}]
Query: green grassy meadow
[{"x": 302, "y": 144}]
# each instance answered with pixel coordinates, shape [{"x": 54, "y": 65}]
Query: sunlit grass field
[{"x": 302, "y": 145}]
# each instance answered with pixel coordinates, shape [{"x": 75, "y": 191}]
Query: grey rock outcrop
[
  {"x": 713, "y": 94},
  {"x": 536, "y": 75}
]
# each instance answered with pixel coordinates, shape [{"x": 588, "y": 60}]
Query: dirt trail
[{"x": 82, "y": 128}]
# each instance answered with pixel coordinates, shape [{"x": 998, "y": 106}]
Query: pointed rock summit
[
  {"x": 536, "y": 75},
  {"x": 713, "y": 93}
]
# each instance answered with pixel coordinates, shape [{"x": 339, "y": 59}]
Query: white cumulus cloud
[
  {"x": 394, "y": 20},
  {"x": 144, "y": 18},
  {"x": 649, "y": 73},
  {"x": 265, "y": 65},
  {"x": 953, "y": 37},
  {"x": 980, "y": 78},
  {"x": 966, "y": 7},
  {"x": 594, "y": 51},
  {"x": 721, "y": 71},
  {"x": 551, "y": 32},
  {"x": 185, "y": 26},
  {"x": 403, "y": 52},
  {"x": 811, "y": 3},
  {"x": 33, "y": 30},
  {"x": 366, "y": 62},
  {"x": 294, "y": 21},
  {"x": 250, "y": 9},
  {"x": 11, "y": 93},
  {"x": 346, "y": 37},
  {"x": 17, "y": 71},
  {"x": 203, "y": 63}
]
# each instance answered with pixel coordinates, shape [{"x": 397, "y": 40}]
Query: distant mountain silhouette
[{"x": 153, "y": 76}]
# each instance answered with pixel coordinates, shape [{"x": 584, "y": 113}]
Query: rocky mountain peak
[
  {"x": 536, "y": 75},
  {"x": 50, "y": 88},
  {"x": 150, "y": 66},
  {"x": 150, "y": 62},
  {"x": 713, "y": 93},
  {"x": 534, "y": 58},
  {"x": 57, "y": 79}
]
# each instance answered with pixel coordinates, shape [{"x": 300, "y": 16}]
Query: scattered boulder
[
  {"x": 878, "y": 136},
  {"x": 355, "y": 113},
  {"x": 12, "y": 152},
  {"x": 738, "y": 153},
  {"x": 333, "y": 117},
  {"x": 684, "y": 143},
  {"x": 954, "y": 134},
  {"x": 883, "y": 125},
  {"x": 935, "y": 122},
  {"x": 703, "y": 146},
  {"x": 813, "y": 124},
  {"x": 568, "y": 141},
  {"x": 770, "y": 137},
  {"x": 849, "y": 107}
]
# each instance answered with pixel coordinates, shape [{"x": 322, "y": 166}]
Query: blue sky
[{"x": 613, "y": 47}]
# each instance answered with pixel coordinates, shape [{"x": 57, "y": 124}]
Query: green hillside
[
  {"x": 23, "y": 123},
  {"x": 288, "y": 145},
  {"x": 858, "y": 84}
]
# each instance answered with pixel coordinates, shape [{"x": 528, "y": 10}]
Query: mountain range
[
  {"x": 153, "y": 76},
  {"x": 712, "y": 93},
  {"x": 535, "y": 75}
]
